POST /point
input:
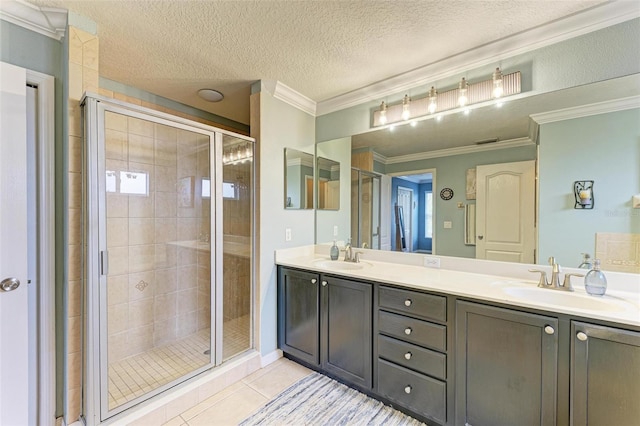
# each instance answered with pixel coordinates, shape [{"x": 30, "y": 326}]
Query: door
[
  {"x": 605, "y": 375},
  {"x": 346, "y": 330},
  {"x": 505, "y": 209},
  {"x": 506, "y": 367},
  {"x": 14, "y": 392},
  {"x": 299, "y": 315},
  {"x": 405, "y": 200}
]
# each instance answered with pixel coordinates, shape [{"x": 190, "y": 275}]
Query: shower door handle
[{"x": 104, "y": 262}]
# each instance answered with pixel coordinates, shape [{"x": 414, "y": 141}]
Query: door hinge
[{"x": 104, "y": 262}]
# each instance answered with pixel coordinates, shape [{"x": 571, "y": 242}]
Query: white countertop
[{"x": 498, "y": 282}]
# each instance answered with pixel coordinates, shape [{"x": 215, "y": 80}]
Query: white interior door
[
  {"x": 405, "y": 200},
  {"x": 13, "y": 247},
  {"x": 505, "y": 213}
]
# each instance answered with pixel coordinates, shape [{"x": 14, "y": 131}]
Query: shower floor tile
[{"x": 136, "y": 375}]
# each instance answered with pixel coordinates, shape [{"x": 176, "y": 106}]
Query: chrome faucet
[
  {"x": 348, "y": 252},
  {"x": 554, "y": 284}
]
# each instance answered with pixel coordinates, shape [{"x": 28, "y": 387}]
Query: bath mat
[{"x": 319, "y": 400}]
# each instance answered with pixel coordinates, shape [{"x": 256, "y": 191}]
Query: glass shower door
[{"x": 158, "y": 290}]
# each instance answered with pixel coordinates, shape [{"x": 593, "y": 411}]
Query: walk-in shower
[{"x": 168, "y": 265}]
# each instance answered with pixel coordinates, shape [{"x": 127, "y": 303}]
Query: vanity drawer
[
  {"x": 414, "y": 357},
  {"x": 413, "y": 330},
  {"x": 420, "y": 305},
  {"x": 420, "y": 394}
]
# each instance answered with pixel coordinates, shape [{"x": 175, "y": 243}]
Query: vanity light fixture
[
  {"x": 496, "y": 88},
  {"x": 497, "y": 83},
  {"x": 382, "y": 118},
  {"x": 433, "y": 100},
  {"x": 462, "y": 92},
  {"x": 406, "y": 107},
  {"x": 210, "y": 95},
  {"x": 237, "y": 154}
]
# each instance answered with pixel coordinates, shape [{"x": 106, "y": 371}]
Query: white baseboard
[{"x": 271, "y": 357}]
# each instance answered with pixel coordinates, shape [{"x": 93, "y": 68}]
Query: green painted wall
[
  {"x": 450, "y": 172},
  {"x": 604, "y": 148}
]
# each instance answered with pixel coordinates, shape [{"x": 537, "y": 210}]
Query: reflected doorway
[{"x": 412, "y": 194}]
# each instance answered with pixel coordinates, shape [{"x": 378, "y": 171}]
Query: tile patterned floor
[
  {"x": 139, "y": 374},
  {"x": 240, "y": 400}
]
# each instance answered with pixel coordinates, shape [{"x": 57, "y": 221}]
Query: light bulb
[
  {"x": 433, "y": 100},
  {"x": 439, "y": 117},
  {"x": 383, "y": 113},
  {"x": 414, "y": 123},
  {"x": 406, "y": 111},
  {"x": 497, "y": 83},
  {"x": 462, "y": 92}
]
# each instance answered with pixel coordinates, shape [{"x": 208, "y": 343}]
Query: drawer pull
[
  {"x": 407, "y": 302},
  {"x": 407, "y": 355},
  {"x": 581, "y": 336},
  {"x": 407, "y": 331},
  {"x": 313, "y": 281},
  {"x": 324, "y": 283},
  {"x": 549, "y": 330},
  {"x": 407, "y": 389}
]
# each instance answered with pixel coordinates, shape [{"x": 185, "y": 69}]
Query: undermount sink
[
  {"x": 567, "y": 299},
  {"x": 339, "y": 265}
]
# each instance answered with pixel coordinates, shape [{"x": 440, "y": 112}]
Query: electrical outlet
[
  {"x": 431, "y": 262},
  {"x": 287, "y": 234},
  {"x": 335, "y": 230}
]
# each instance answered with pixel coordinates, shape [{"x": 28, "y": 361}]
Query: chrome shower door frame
[{"x": 95, "y": 265}]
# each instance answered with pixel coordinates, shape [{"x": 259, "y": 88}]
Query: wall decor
[
  {"x": 471, "y": 184},
  {"x": 583, "y": 192},
  {"x": 446, "y": 194}
]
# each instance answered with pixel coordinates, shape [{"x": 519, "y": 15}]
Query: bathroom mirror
[
  {"x": 298, "y": 179},
  {"x": 328, "y": 184},
  {"x": 562, "y": 148}
]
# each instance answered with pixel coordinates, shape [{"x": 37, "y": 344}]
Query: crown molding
[
  {"x": 471, "y": 149},
  {"x": 587, "y": 110},
  {"x": 593, "y": 19},
  {"x": 286, "y": 94},
  {"x": 379, "y": 158},
  {"x": 43, "y": 20}
]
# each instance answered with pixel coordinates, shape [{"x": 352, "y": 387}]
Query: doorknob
[
  {"x": 480, "y": 237},
  {"x": 9, "y": 284}
]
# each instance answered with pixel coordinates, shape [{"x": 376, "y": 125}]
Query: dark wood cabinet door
[
  {"x": 299, "y": 314},
  {"x": 346, "y": 331},
  {"x": 605, "y": 376},
  {"x": 506, "y": 367}
]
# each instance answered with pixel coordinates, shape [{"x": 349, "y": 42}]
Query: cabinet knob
[
  {"x": 407, "y": 302},
  {"x": 324, "y": 283},
  {"x": 581, "y": 336},
  {"x": 549, "y": 330},
  {"x": 313, "y": 281},
  {"x": 407, "y": 389},
  {"x": 407, "y": 355},
  {"x": 407, "y": 330}
]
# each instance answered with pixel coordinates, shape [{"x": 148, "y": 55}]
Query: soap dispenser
[
  {"x": 586, "y": 261},
  {"x": 595, "y": 282},
  {"x": 335, "y": 251}
]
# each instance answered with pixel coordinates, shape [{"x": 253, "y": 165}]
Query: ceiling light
[
  {"x": 210, "y": 95},
  {"x": 497, "y": 83},
  {"x": 433, "y": 100},
  {"x": 383, "y": 113},
  {"x": 462, "y": 92},
  {"x": 406, "y": 107}
]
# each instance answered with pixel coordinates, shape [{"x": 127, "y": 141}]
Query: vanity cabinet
[
  {"x": 506, "y": 366},
  {"x": 325, "y": 322},
  {"x": 605, "y": 375},
  {"x": 411, "y": 351}
]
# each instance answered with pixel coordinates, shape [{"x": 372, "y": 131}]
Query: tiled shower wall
[{"x": 158, "y": 286}]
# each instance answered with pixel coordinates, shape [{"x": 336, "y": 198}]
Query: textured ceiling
[{"x": 319, "y": 48}]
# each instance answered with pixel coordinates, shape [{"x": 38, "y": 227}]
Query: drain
[{"x": 207, "y": 352}]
